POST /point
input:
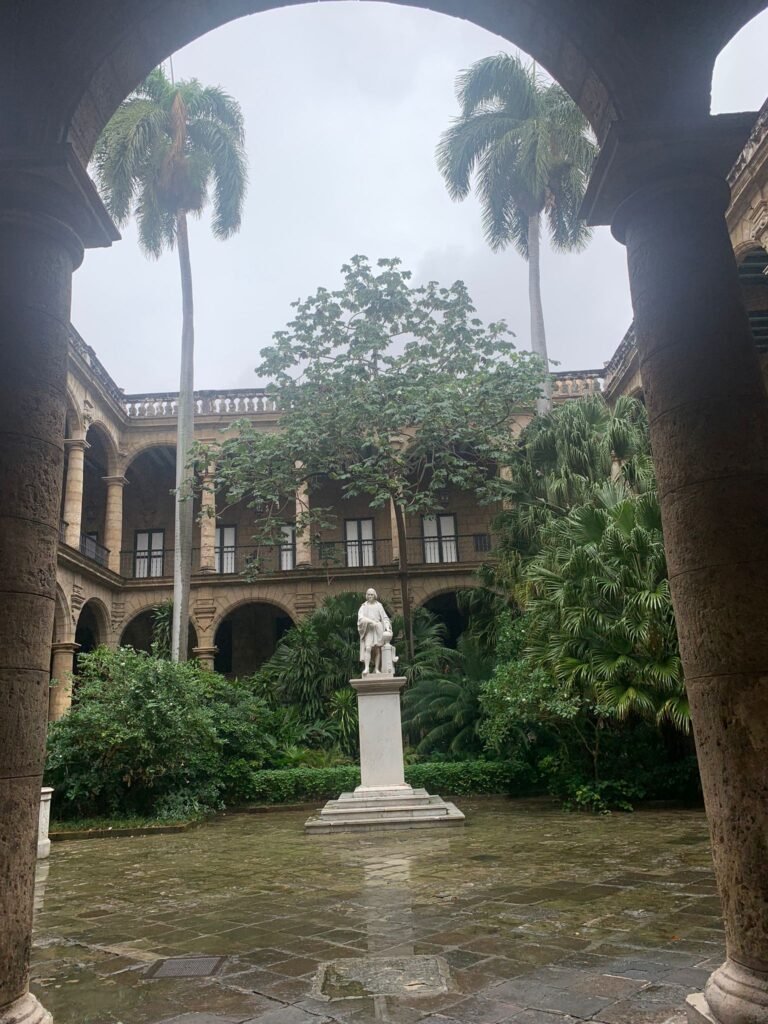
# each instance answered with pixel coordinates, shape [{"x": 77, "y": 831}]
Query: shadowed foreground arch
[{"x": 641, "y": 71}]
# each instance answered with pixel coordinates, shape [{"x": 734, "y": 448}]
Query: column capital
[
  {"x": 65, "y": 647},
  {"x": 46, "y": 189},
  {"x": 115, "y": 481},
  {"x": 76, "y": 443},
  {"x": 641, "y": 160}
]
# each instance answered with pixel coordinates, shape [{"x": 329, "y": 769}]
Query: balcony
[
  {"x": 348, "y": 557},
  {"x": 91, "y": 549}
]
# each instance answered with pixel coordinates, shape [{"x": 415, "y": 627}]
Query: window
[
  {"x": 288, "y": 547},
  {"x": 148, "y": 554},
  {"x": 224, "y": 552},
  {"x": 482, "y": 542},
  {"x": 358, "y": 541},
  {"x": 439, "y": 535}
]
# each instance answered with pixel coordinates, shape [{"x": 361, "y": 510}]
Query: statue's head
[{"x": 371, "y": 595}]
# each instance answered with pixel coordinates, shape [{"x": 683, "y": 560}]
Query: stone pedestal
[
  {"x": 383, "y": 800},
  {"x": 43, "y": 842}
]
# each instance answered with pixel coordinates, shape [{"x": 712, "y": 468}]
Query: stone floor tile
[
  {"x": 477, "y": 1010},
  {"x": 202, "y": 1018},
  {"x": 542, "y": 1017},
  {"x": 288, "y": 1015}
]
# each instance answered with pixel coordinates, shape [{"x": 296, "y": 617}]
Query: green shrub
[
  {"x": 147, "y": 737},
  {"x": 457, "y": 778}
]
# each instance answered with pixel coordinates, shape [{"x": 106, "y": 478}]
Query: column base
[
  {"x": 27, "y": 1010},
  {"x": 734, "y": 994}
]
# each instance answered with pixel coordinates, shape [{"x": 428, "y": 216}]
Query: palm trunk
[
  {"x": 182, "y": 552},
  {"x": 405, "y": 594},
  {"x": 538, "y": 334}
]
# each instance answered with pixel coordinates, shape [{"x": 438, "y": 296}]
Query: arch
[
  {"x": 137, "y": 631},
  {"x": 74, "y": 416},
  {"x": 92, "y": 628},
  {"x": 614, "y": 61},
  {"x": 443, "y": 588},
  {"x": 62, "y": 617},
  {"x": 742, "y": 250},
  {"x": 248, "y": 634},
  {"x": 110, "y": 445},
  {"x": 444, "y": 605},
  {"x": 259, "y": 596},
  {"x": 134, "y": 454}
]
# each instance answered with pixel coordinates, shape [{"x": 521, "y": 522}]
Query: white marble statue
[{"x": 375, "y": 632}]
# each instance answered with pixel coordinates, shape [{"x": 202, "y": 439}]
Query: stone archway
[
  {"x": 247, "y": 636},
  {"x": 445, "y": 605},
  {"x": 642, "y": 77},
  {"x": 92, "y": 627},
  {"x": 138, "y": 633}
]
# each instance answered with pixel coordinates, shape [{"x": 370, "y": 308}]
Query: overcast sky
[{"x": 343, "y": 106}]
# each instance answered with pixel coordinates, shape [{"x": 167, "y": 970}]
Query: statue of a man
[{"x": 375, "y": 630}]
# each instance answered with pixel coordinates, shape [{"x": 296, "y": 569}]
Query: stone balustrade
[
  {"x": 237, "y": 402},
  {"x": 576, "y": 384}
]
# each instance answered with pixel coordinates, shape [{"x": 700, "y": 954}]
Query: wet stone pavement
[{"x": 528, "y": 914}]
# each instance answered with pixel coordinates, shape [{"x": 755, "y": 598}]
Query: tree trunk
[
  {"x": 538, "y": 334},
  {"x": 405, "y": 593},
  {"x": 182, "y": 551}
]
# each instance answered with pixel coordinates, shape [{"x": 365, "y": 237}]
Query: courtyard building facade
[{"x": 116, "y": 533}]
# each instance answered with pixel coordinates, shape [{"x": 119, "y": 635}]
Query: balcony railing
[
  {"x": 335, "y": 555},
  {"x": 91, "y": 549},
  {"x": 238, "y": 402}
]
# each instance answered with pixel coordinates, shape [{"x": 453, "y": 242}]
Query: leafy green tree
[
  {"x": 167, "y": 147},
  {"x": 397, "y": 392},
  {"x": 528, "y": 147}
]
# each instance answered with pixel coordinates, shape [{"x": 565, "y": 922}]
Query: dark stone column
[
  {"x": 39, "y": 249},
  {"x": 708, "y": 415}
]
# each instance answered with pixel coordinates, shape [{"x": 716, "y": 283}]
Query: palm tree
[
  {"x": 528, "y": 147},
  {"x": 166, "y": 147}
]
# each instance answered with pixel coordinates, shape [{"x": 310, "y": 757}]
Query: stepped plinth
[{"x": 383, "y": 800}]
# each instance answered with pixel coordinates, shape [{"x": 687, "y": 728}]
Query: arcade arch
[
  {"x": 139, "y": 631},
  {"x": 247, "y": 636},
  {"x": 445, "y": 605}
]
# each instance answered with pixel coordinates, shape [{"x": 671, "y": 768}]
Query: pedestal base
[
  {"x": 376, "y": 809},
  {"x": 26, "y": 1010},
  {"x": 734, "y": 994}
]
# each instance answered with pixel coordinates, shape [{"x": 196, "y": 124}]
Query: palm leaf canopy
[
  {"x": 168, "y": 150},
  {"x": 527, "y": 148}
]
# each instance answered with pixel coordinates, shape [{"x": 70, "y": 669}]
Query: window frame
[
  {"x": 361, "y": 545},
  {"x": 219, "y": 550},
  {"x": 150, "y": 552},
  {"x": 440, "y": 539}
]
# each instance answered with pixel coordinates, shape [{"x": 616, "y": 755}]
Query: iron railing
[
  {"x": 93, "y": 550},
  {"x": 353, "y": 556}
]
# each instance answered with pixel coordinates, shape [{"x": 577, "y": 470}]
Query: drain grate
[{"x": 186, "y": 967}]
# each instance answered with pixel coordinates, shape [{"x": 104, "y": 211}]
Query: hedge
[{"x": 448, "y": 778}]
